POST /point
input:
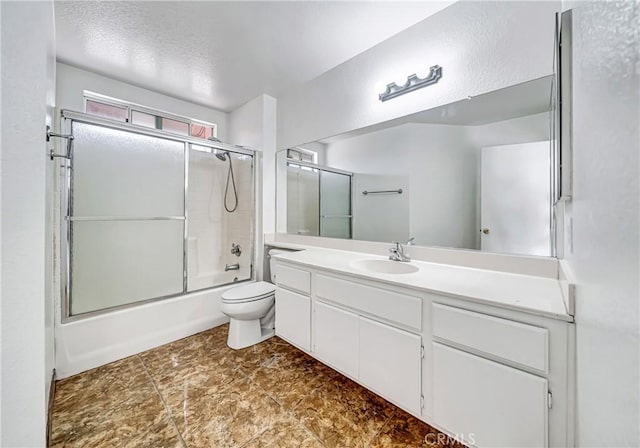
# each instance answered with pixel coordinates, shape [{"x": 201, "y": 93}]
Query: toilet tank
[{"x": 275, "y": 252}]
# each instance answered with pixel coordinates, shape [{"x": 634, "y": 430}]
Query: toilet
[{"x": 251, "y": 310}]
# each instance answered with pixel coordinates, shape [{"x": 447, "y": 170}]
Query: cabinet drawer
[
  {"x": 293, "y": 278},
  {"x": 395, "y": 307},
  {"x": 293, "y": 318},
  {"x": 490, "y": 404},
  {"x": 512, "y": 341}
]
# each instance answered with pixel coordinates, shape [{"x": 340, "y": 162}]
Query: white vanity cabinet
[
  {"x": 390, "y": 362},
  {"x": 293, "y": 318},
  {"x": 486, "y": 402},
  {"x": 336, "y": 338},
  {"x": 490, "y": 376},
  {"x": 293, "y": 305},
  {"x": 371, "y": 334}
]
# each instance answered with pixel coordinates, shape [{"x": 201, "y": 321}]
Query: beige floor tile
[
  {"x": 227, "y": 419},
  {"x": 288, "y": 433},
  {"x": 105, "y": 387},
  {"x": 343, "y": 414},
  {"x": 118, "y": 426},
  {"x": 405, "y": 431}
]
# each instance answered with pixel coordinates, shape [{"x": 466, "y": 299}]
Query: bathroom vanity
[{"x": 484, "y": 356}]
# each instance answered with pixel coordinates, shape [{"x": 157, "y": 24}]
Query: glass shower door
[
  {"x": 303, "y": 200},
  {"x": 335, "y": 204},
  {"x": 126, "y": 218}
]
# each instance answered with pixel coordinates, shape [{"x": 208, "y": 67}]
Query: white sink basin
[{"x": 385, "y": 266}]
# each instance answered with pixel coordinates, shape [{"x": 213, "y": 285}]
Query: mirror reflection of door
[{"x": 514, "y": 205}]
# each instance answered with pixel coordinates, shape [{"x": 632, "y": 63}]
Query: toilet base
[{"x": 244, "y": 333}]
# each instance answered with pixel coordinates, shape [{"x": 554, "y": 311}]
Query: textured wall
[
  {"x": 605, "y": 211},
  {"x": 27, "y": 346}
]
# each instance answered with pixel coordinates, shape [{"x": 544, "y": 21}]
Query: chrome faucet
[{"x": 397, "y": 252}]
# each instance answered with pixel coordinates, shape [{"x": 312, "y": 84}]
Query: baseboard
[{"x": 52, "y": 394}]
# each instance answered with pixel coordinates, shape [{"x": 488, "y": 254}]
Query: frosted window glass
[
  {"x": 177, "y": 127},
  {"x": 143, "y": 119},
  {"x": 120, "y": 173},
  {"x": 107, "y": 110},
  {"x": 335, "y": 205},
  {"x": 120, "y": 262},
  {"x": 201, "y": 131},
  {"x": 211, "y": 229}
]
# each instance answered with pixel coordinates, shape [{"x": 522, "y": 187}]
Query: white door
[
  {"x": 336, "y": 338},
  {"x": 487, "y": 403},
  {"x": 390, "y": 363},
  {"x": 515, "y": 203}
]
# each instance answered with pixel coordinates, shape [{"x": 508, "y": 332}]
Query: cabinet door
[
  {"x": 390, "y": 361},
  {"x": 487, "y": 403},
  {"x": 293, "y": 318},
  {"x": 336, "y": 338}
]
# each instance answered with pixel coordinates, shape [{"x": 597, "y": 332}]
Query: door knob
[{"x": 485, "y": 231}]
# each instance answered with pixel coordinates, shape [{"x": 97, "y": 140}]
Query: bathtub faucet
[{"x": 232, "y": 267}]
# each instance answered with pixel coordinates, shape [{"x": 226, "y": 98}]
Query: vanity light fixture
[{"x": 413, "y": 83}]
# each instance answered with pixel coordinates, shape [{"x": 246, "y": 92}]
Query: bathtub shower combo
[{"x": 148, "y": 215}]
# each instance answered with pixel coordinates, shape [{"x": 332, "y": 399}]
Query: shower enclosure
[
  {"x": 318, "y": 200},
  {"x": 143, "y": 215}
]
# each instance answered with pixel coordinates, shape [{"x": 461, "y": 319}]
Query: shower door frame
[
  {"x": 67, "y": 118},
  {"x": 320, "y": 169}
]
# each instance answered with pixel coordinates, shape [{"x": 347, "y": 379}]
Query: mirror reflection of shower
[{"x": 224, "y": 156}]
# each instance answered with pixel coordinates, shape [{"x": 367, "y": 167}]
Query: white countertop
[{"x": 535, "y": 295}]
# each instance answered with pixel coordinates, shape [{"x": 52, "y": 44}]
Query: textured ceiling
[{"x": 222, "y": 54}]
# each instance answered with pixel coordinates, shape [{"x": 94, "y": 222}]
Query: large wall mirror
[{"x": 475, "y": 174}]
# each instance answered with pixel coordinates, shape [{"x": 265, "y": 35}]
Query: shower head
[{"x": 222, "y": 156}]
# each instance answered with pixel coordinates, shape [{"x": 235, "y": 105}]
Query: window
[
  {"x": 157, "y": 122},
  {"x": 302, "y": 155},
  {"x": 135, "y": 114},
  {"x": 202, "y": 130},
  {"x": 107, "y": 110}
]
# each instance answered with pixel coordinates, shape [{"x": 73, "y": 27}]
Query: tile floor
[{"x": 197, "y": 392}]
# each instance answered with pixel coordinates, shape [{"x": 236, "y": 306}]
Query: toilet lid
[{"x": 249, "y": 292}]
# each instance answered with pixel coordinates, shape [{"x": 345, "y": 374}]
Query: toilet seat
[{"x": 249, "y": 293}]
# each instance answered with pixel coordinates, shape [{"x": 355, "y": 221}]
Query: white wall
[
  {"x": 441, "y": 168},
  {"x": 441, "y": 163},
  {"x": 72, "y": 82},
  {"x": 28, "y": 83},
  {"x": 482, "y": 46},
  {"x": 604, "y": 255},
  {"x": 444, "y": 179},
  {"x": 254, "y": 125},
  {"x": 532, "y": 128},
  {"x": 394, "y": 208}
]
